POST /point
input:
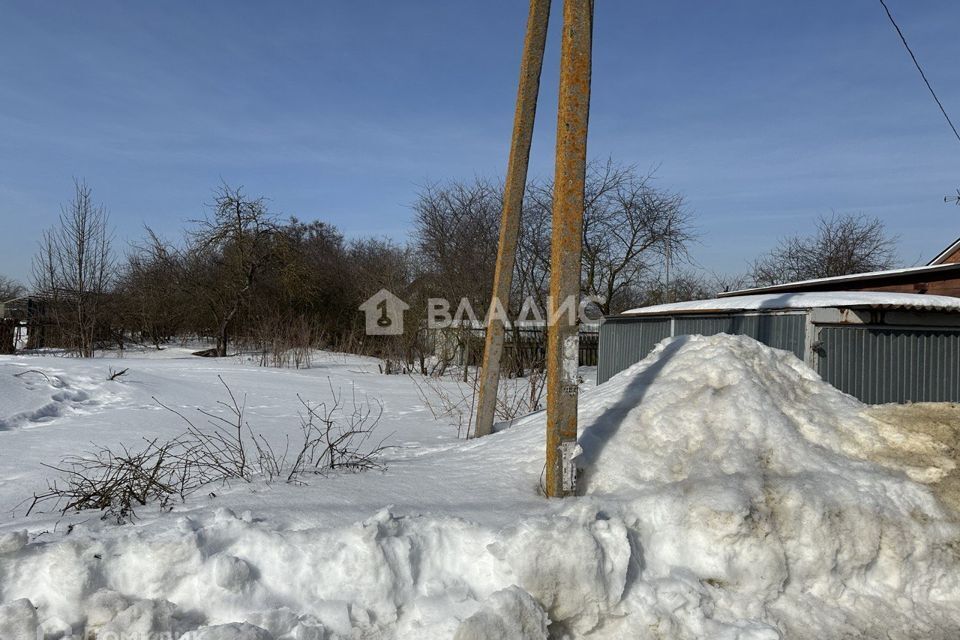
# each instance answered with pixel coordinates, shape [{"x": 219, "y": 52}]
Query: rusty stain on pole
[
  {"x": 566, "y": 244},
  {"x": 530, "y": 67}
]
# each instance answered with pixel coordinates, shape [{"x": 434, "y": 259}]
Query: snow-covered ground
[{"x": 727, "y": 493}]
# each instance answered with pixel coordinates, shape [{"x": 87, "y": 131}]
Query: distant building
[
  {"x": 940, "y": 277},
  {"x": 23, "y": 308},
  {"x": 22, "y": 323}
]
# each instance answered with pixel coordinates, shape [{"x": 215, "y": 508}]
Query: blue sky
[{"x": 764, "y": 113}]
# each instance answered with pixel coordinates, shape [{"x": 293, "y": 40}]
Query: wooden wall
[
  {"x": 934, "y": 288},
  {"x": 953, "y": 257}
]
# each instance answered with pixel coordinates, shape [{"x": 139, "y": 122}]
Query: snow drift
[
  {"x": 33, "y": 397},
  {"x": 728, "y": 493}
]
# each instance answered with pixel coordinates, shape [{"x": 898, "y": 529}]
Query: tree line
[{"x": 246, "y": 278}]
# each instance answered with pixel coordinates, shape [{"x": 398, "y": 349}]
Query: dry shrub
[
  {"x": 115, "y": 482},
  {"x": 333, "y": 436},
  {"x": 285, "y": 342},
  {"x": 448, "y": 397}
]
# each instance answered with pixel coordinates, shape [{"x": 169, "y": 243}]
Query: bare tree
[
  {"x": 381, "y": 264},
  {"x": 722, "y": 282},
  {"x": 456, "y": 228},
  {"x": 630, "y": 228},
  {"x": 74, "y": 269},
  {"x": 456, "y": 232},
  {"x": 228, "y": 253},
  {"x": 10, "y": 289},
  {"x": 312, "y": 278},
  {"x": 843, "y": 244},
  {"x": 245, "y": 277},
  {"x": 276, "y": 286},
  {"x": 532, "y": 270},
  {"x": 151, "y": 297},
  {"x": 682, "y": 286}
]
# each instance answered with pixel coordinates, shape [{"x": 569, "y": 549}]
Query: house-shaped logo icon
[{"x": 384, "y": 314}]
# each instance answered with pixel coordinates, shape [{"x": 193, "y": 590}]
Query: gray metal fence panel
[
  {"x": 624, "y": 342},
  {"x": 780, "y": 331},
  {"x": 886, "y": 364}
]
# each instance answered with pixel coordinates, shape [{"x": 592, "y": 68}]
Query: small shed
[{"x": 877, "y": 346}]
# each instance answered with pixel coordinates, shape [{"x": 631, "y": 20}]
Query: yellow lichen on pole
[{"x": 568, "y": 203}]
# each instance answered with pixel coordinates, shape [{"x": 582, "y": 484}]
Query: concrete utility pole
[
  {"x": 563, "y": 344},
  {"x": 530, "y": 67}
]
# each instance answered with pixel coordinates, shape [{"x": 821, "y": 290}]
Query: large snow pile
[
  {"x": 756, "y": 480},
  {"x": 729, "y": 493}
]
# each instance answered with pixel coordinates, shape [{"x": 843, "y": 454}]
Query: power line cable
[{"x": 920, "y": 69}]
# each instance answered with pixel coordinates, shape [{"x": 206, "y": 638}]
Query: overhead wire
[{"x": 920, "y": 69}]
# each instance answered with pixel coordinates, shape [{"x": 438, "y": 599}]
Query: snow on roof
[
  {"x": 807, "y": 300},
  {"x": 848, "y": 278}
]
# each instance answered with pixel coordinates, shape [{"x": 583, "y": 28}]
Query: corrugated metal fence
[
  {"x": 875, "y": 363},
  {"x": 624, "y": 342},
  {"x": 883, "y": 364},
  {"x": 627, "y": 340},
  {"x": 780, "y": 331}
]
